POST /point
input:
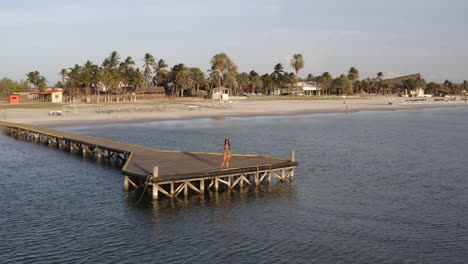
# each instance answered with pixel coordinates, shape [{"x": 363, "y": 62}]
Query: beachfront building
[
  {"x": 221, "y": 94},
  {"x": 400, "y": 84},
  {"x": 49, "y": 96},
  {"x": 307, "y": 88},
  {"x": 14, "y": 98}
]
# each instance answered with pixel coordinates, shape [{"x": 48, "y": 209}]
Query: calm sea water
[{"x": 371, "y": 187}]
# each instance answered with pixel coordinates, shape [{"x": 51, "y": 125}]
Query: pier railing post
[
  {"x": 293, "y": 158},
  {"x": 155, "y": 185}
]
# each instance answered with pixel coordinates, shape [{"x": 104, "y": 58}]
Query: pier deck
[{"x": 169, "y": 172}]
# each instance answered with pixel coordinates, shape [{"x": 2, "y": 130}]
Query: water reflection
[{"x": 223, "y": 199}]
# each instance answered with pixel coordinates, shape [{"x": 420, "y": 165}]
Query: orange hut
[{"x": 14, "y": 98}]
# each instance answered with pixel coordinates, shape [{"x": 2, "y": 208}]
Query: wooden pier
[{"x": 165, "y": 172}]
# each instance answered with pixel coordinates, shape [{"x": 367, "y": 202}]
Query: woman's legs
[
  {"x": 224, "y": 160},
  {"x": 227, "y": 160}
]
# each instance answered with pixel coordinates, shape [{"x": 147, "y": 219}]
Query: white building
[
  {"x": 49, "y": 96},
  {"x": 309, "y": 88}
]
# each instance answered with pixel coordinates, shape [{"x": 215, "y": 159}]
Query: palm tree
[
  {"x": 343, "y": 84},
  {"x": 214, "y": 78},
  {"x": 96, "y": 76},
  {"x": 243, "y": 79},
  {"x": 256, "y": 83},
  {"x": 278, "y": 68},
  {"x": 63, "y": 74},
  {"x": 150, "y": 62},
  {"x": 297, "y": 63},
  {"x": 34, "y": 78},
  {"x": 380, "y": 76},
  {"x": 277, "y": 75},
  {"x": 389, "y": 86},
  {"x": 197, "y": 78},
  {"x": 87, "y": 75},
  {"x": 219, "y": 65},
  {"x": 74, "y": 80},
  {"x": 379, "y": 81},
  {"x": 160, "y": 71},
  {"x": 353, "y": 76},
  {"x": 267, "y": 83},
  {"x": 110, "y": 74},
  {"x": 431, "y": 88},
  {"x": 231, "y": 83},
  {"x": 113, "y": 61},
  {"x": 182, "y": 80},
  {"x": 326, "y": 82},
  {"x": 136, "y": 79},
  {"x": 223, "y": 66},
  {"x": 127, "y": 73}
]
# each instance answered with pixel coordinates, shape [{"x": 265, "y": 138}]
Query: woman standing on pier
[{"x": 226, "y": 153}]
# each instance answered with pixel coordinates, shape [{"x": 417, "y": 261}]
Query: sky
[{"x": 397, "y": 37}]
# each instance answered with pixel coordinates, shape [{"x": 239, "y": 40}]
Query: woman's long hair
[{"x": 228, "y": 143}]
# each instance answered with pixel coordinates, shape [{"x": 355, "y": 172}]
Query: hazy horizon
[{"x": 396, "y": 38}]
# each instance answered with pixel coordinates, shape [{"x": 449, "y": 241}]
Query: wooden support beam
[
  {"x": 263, "y": 177},
  {"x": 179, "y": 189},
  {"x": 223, "y": 181},
  {"x": 155, "y": 191},
  {"x": 202, "y": 186},
  {"x": 211, "y": 183},
  {"x": 276, "y": 175},
  {"x": 160, "y": 189},
  {"x": 241, "y": 182},
  {"x": 186, "y": 188},
  {"x": 246, "y": 179},
  {"x": 235, "y": 182},
  {"x": 133, "y": 184},
  {"x": 189, "y": 184},
  {"x": 126, "y": 181}
]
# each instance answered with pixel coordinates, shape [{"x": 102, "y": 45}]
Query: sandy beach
[{"x": 145, "y": 111}]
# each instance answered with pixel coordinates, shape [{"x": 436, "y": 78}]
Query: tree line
[{"x": 123, "y": 76}]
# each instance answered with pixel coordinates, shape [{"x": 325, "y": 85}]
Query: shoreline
[{"x": 86, "y": 115}]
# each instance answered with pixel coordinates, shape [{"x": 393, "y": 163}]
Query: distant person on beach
[
  {"x": 227, "y": 153},
  {"x": 346, "y": 106}
]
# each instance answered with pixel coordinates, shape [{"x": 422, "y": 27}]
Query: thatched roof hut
[{"x": 399, "y": 82}]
